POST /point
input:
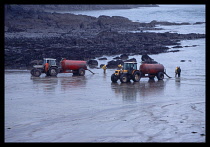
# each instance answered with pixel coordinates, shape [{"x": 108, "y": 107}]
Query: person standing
[
  {"x": 104, "y": 68},
  {"x": 177, "y": 71},
  {"x": 46, "y": 67}
]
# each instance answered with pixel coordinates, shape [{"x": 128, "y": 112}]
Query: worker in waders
[
  {"x": 104, "y": 68},
  {"x": 177, "y": 71},
  {"x": 46, "y": 67},
  {"x": 119, "y": 66}
]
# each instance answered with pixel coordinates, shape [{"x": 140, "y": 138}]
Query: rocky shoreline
[{"x": 34, "y": 35}]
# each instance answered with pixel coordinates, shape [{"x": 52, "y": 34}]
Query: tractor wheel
[
  {"x": 136, "y": 76},
  {"x": 160, "y": 76},
  {"x": 114, "y": 78},
  {"x": 81, "y": 72},
  {"x": 124, "y": 78},
  {"x": 53, "y": 71},
  {"x": 35, "y": 72}
]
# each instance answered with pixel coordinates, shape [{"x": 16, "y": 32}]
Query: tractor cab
[
  {"x": 51, "y": 61},
  {"x": 130, "y": 66}
]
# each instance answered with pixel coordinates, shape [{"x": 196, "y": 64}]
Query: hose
[
  {"x": 91, "y": 71},
  {"x": 167, "y": 75}
]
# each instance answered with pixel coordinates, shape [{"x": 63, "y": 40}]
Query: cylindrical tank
[
  {"x": 151, "y": 68},
  {"x": 73, "y": 65}
]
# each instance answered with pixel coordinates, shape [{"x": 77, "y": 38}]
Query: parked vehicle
[
  {"x": 50, "y": 68},
  {"x": 129, "y": 72}
]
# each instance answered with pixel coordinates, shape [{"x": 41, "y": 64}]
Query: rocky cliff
[{"x": 34, "y": 34}]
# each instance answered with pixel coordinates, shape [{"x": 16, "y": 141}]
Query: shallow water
[
  {"x": 169, "y": 13},
  {"x": 92, "y": 108}
]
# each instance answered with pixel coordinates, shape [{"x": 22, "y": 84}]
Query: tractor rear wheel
[
  {"x": 124, "y": 78},
  {"x": 81, "y": 72},
  {"x": 114, "y": 78},
  {"x": 160, "y": 75},
  {"x": 35, "y": 72},
  {"x": 136, "y": 76},
  {"x": 53, "y": 71}
]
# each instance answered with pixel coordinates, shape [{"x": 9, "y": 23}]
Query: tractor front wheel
[
  {"x": 114, "y": 78},
  {"x": 124, "y": 78},
  {"x": 136, "y": 76}
]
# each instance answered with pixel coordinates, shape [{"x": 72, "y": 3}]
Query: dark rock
[
  {"x": 102, "y": 58},
  {"x": 114, "y": 64},
  {"x": 198, "y": 23},
  {"x": 194, "y": 132},
  {"x": 174, "y": 51},
  {"x": 178, "y": 46},
  {"x": 116, "y": 58},
  {"x": 131, "y": 60},
  {"x": 32, "y": 35},
  {"x": 124, "y": 56},
  {"x": 182, "y": 61},
  {"x": 92, "y": 63}
]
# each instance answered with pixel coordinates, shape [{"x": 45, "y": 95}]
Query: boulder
[
  {"x": 131, "y": 60},
  {"x": 102, "y": 58},
  {"x": 92, "y": 63},
  {"x": 114, "y": 64},
  {"x": 124, "y": 56}
]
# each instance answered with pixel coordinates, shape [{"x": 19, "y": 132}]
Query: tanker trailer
[
  {"x": 73, "y": 66},
  {"x": 50, "y": 68},
  {"x": 152, "y": 70}
]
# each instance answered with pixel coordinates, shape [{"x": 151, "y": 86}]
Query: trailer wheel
[
  {"x": 136, "y": 76},
  {"x": 124, "y": 78},
  {"x": 35, "y": 72},
  {"x": 160, "y": 75},
  {"x": 81, "y": 72},
  {"x": 114, "y": 78},
  {"x": 53, "y": 71},
  {"x": 151, "y": 76}
]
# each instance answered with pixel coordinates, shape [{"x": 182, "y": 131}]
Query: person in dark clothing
[{"x": 177, "y": 71}]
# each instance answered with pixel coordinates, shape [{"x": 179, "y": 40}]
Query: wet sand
[{"x": 69, "y": 108}]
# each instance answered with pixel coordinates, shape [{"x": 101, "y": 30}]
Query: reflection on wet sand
[
  {"x": 129, "y": 91},
  {"x": 73, "y": 82},
  {"x": 45, "y": 83},
  {"x": 178, "y": 83},
  {"x": 49, "y": 84}
]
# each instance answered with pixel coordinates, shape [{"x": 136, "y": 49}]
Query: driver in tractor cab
[{"x": 46, "y": 67}]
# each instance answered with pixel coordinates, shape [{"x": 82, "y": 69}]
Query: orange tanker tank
[
  {"x": 152, "y": 70},
  {"x": 73, "y": 65}
]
